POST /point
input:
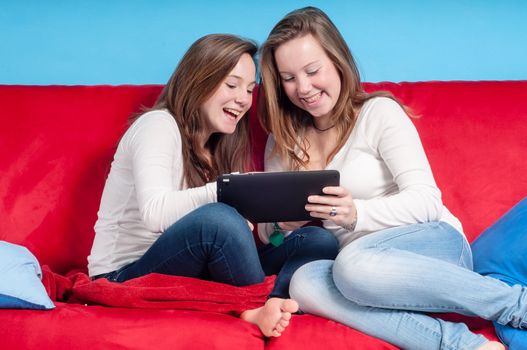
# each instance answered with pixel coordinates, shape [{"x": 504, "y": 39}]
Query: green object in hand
[{"x": 277, "y": 237}]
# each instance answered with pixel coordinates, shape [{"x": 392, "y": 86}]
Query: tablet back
[{"x": 274, "y": 196}]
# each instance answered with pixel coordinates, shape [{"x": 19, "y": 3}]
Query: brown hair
[
  {"x": 279, "y": 115},
  {"x": 197, "y": 77}
]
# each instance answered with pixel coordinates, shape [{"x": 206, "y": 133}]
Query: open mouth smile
[
  {"x": 312, "y": 99},
  {"x": 233, "y": 113}
]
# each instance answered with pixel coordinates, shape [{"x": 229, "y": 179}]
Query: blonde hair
[
  {"x": 197, "y": 77},
  {"x": 278, "y": 114}
]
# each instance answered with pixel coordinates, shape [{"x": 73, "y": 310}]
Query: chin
[
  {"x": 319, "y": 113},
  {"x": 228, "y": 131}
]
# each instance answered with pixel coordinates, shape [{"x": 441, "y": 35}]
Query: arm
[
  {"x": 394, "y": 178},
  {"x": 391, "y": 134},
  {"x": 157, "y": 166}
]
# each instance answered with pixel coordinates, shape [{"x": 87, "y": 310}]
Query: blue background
[{"x": 140, "y": 41}]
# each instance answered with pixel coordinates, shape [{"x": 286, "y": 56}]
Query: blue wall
[{"x": 140, "y": 41}]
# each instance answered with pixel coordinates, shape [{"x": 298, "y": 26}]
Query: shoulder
[
  {"x": 381, "y": 105},
  {"x": 158, "y": 120},
  {"x": 382, "y": 110},
  {"x": 155, "y": 117},
  {"x": 382, "y": 116},
  {"x": 156, "y": 126}
]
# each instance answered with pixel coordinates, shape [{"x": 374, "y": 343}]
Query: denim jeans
[
  {"x": 383, "y": 283},
  {"x": 215, "y": 243}
]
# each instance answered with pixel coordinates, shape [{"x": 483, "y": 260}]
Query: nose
[
  {"x": 244, "y": 99},
  {"x": 303, "y": 85}
]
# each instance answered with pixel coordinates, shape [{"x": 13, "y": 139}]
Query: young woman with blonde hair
[{"x": 403, "y": 254}]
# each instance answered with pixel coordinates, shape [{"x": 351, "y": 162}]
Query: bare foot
[
  {"x": 492, "y": 345},
  {"x": 272, "y": 318}
]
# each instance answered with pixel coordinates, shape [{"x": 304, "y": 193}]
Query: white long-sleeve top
[
  {"x": 385, "y": 168},
  {"x": 144, "y": 194}
]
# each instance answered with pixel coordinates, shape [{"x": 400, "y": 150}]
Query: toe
[
  {"x": 286, "y": 316},
  {"x": 289, "y": 305}
]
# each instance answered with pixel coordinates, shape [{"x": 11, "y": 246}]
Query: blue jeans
[
  {"x": 383, "y": 283},
  {"x": 215, "y": 243}
]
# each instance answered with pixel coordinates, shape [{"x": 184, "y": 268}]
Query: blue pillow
[
  {"x": 514, "y": 338},
  {"x": 501, "y": 252},
  {"x": 20, "y": 284}
]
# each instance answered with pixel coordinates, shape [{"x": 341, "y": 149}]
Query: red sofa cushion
[
  {"x": 74, "y": 326},
  {"x": 56, "y": 144}
]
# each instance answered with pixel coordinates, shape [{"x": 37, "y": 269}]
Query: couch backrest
[{"x": 56, "y": 144}]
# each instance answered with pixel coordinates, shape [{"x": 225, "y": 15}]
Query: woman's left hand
[{"x": 336, "y": 205}]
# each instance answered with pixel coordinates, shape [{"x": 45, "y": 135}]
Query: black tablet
[{"x": 274, "y": 196}]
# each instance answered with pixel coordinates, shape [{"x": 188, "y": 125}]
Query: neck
[
  {"x": 204, "y": 138},
  {"x": 321, "y": 129}
]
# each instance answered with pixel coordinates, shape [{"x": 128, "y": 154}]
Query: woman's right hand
[{"x": 291, "y": 225}]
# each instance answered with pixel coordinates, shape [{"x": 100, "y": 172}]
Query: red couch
[{"x": 56, "y": 144}]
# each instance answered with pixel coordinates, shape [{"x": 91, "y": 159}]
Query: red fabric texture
[
  {"x": 309, "y": 332},
  {"x": 157, "y": 291},
  {"x": 79, "y": 327},
  {"x": 56, "y": 144}
]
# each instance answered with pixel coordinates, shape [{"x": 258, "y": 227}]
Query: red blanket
[{"x": 157, "y": 291}]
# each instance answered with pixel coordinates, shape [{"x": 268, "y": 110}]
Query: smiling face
[
  {"x": 232, "y": 99},
  {"x": 309, "y": 77}
]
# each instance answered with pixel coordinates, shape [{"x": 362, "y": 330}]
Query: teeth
[
  {"x": 233, "y": 111},
  {"x": 313, "y": 98}
]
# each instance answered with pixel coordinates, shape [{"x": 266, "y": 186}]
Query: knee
[
  {"x": 218, "y": 213},
  {"x": 319, "y": 242},
  {"x": 354, "y": 272},
  {"x": 308, "y": 284},
  {"x": 223, "y": 223}
]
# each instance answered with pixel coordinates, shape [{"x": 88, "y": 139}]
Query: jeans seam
[
  {"x": 462, "y": 239},
  {"x": 296, "y": 245},
  {"x": 419, "y": 227},
  {"x": 117, "y": 273},
  {"x": 408, "y": 307},
  {"x": 442, "y": 345},
  {"x": 410, "y": 317},
  {"x": 462, "y": 253}
]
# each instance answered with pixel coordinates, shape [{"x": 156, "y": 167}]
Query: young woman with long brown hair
[{"x": 158, "y": 211}]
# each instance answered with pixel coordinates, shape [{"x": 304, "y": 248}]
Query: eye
[
  {"x": 287, "y": 79},
  {"x": 312, "y": 72},
  {"x": 230, "y": 86},
  {"x": 250, "y": 91}
]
